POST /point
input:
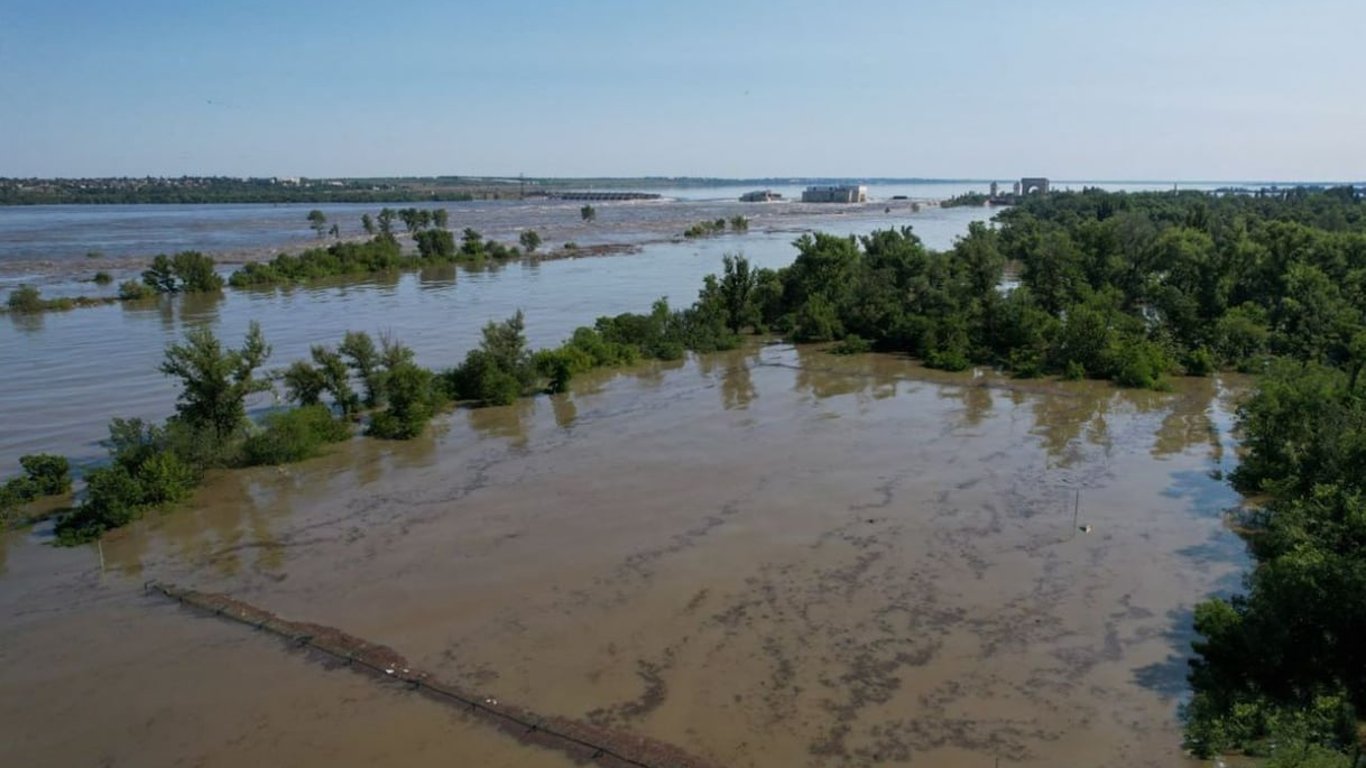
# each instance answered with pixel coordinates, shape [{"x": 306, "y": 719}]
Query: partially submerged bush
[
  {"x": 25, "y": 299},
  {"x": 50, "y": 474},
  {"x": 851, "y": 345},
  {"x": 293, "y": 435},
  {"x": 413, "y": 400},
  {"x": 145, "y": 473},
  {"x": 44, "y": 475},
  {"x": 132, "y": 290}
]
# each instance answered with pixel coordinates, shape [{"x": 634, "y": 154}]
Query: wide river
[{"x": 770, "y": 557}]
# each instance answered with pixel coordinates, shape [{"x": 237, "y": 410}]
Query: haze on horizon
[{"x": 1165, "y": 89}]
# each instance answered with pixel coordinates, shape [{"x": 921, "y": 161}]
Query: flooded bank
[{"x": 772, "y": 557}]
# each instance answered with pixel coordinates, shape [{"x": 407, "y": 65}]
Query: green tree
[
  {"x": 363, "y": 357},
  {"x": 733, "y": 294},
  {"x": 318, "y": 221},
  {"x": 435, "y": 244},
  {"x": 411, "y": 397},
  {"x": 215, "y": 382},
  {"x": 367, "y": 224},
  {"x": 530, "y": 240},
  {"x": 588, "y": 213}
]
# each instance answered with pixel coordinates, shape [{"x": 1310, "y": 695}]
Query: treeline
[
  {"x": 359, "y": 381},
  {"x": 194, "y": 272},
  {"x": 380, "y": 254},
  {"x": 199, "y": 190},
  {"x": 185, "y": 272},
  {"x": 1282, "y": 668},
  {"x": 1125, "y": 287},
  {"x": 966, "y": 200}
]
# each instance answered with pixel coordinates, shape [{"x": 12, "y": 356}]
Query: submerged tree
[
  {"x": 215, "y": 382},
  {"x": 530, "y": 240}
]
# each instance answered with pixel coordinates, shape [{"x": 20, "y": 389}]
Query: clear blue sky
[{"x": 1093, "y": 89}]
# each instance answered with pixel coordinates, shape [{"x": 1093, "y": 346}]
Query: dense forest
[{"x": 1134, "y": 288}]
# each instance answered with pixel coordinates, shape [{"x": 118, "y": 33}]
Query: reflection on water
[
  {"x": 565, "y": 410},
  {"x": 27, "y": 323},
  {"x": 508, "y": 422},
  {"x": 730, "y": 570}
]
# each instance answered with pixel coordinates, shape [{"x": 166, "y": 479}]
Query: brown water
[{"x": 773, "y": 557}]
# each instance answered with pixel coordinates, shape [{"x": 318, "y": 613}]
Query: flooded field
[{"x": 773, "y": 557}]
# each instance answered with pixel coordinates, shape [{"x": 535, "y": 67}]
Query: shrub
[
  {"x": 412, "y": 402},
  {"x": 851, "y": 345},
  {"x": 132, "y": 290},
  {"x": 186, "y": 272},
  {"x": 102, "y": 278},
  {"x": 293, "y": 435},
  {"x": 817, "y": 320},
  {"x": 530, "y": 240},
  {"x": 557, "y": 366},
  {"x": 50, "y": 474},
  {"x": 1141, "y": 364},
  {"x": 195, "y": 273},
  {"x": 16, "y": 492},
  {"x": 1200, "y": 362},
  {"x": 25, "y": 299},
  {"x": 116, "y": 495},
  {"x": 480, "y": 379},
  {"x": 1025, "y": 363},
  {"x": 435, "y": 244}
]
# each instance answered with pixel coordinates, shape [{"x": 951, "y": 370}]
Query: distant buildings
[
  {"x": 1029, "y": 185},
  {"x": 840, "y": 193},
  {"x": 761, "y": 196}
]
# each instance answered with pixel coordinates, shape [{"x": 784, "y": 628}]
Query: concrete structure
[
  {"x": 844, "y": 193},
  {"x": 994, "y": 189},
  {"x": 1031, "y": 184},
  {"x": 760, "y": 196}
]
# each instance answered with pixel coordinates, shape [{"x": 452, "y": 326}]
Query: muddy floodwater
[{"x": 773, "y": 557}]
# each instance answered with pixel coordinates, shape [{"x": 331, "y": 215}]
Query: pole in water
[
  {"x": 1076, "y": 510},
  {"x": 99, "y": 544}
]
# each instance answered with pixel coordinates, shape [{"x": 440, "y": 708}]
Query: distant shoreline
[{"x": 210, "y": 190}]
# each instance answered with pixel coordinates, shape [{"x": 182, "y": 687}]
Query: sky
[{"x": 1140, "y": 90}]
